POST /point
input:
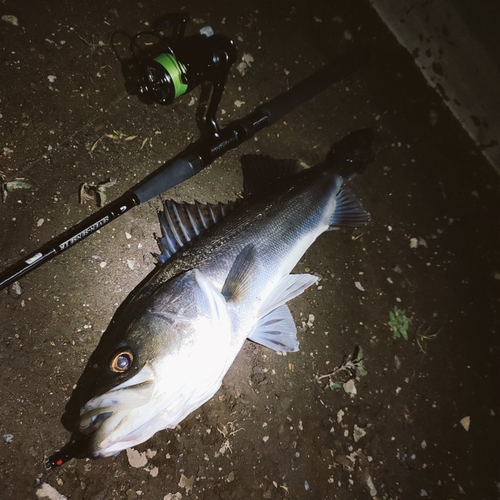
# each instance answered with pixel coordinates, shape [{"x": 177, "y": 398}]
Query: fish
[{"x": 224, "y": 276}]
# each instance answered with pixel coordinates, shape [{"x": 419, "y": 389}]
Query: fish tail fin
[{"x": 351, "y": 155}]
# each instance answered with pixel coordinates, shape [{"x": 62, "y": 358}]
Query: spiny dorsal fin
[
  {"x": 262, "y": 171},
  {"x": 181, "y": 222}
]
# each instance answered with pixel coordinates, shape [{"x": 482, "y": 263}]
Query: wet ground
[{"x": 420, "y": 418}]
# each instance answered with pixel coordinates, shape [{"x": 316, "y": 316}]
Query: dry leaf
[{"x": 465, "y": 423}]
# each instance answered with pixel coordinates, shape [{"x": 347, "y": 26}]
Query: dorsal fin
[
  {"x": 262, "y": 171},
  {"x": 348, "y": 211},
  {"x": 181, "y": 222}
]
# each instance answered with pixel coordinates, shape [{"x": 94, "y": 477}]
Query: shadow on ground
[{"x": 422, "y": 422}]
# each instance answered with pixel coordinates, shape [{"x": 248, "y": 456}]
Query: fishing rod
[{"x": 187, "y": 164}]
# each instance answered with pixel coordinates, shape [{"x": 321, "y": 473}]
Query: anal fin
[
  {"x": 277, "y": 331},
  {"x": 275, "y": 328}
]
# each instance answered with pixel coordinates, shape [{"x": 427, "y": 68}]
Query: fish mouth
[{"x": 115, "y": 419}]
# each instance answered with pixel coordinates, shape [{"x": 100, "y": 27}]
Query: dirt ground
[{"x": 422, "y": 422}]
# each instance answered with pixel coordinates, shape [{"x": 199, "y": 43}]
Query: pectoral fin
[
  {"x": 240, "y": 275},
  {"x": 217, "y": 302}
]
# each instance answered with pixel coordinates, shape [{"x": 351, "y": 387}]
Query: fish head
[
  {"x": 166, "y": 363},
  {"x": 122, "y": 410}
]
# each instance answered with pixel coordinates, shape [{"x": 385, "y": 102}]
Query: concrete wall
[{"x": 456, "y": 44}]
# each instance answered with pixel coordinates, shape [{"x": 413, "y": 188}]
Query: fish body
[{"x": 224, "y": 278}]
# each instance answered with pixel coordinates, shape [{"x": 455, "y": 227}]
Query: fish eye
[{"x": 121, "y": 361}]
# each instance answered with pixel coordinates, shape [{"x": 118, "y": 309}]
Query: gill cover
[{"x": 183, "y": 340}]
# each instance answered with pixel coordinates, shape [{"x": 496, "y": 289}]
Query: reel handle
[{"x": 176, "y": 21}]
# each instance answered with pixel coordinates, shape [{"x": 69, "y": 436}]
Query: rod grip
[{"x": 170, "y": 174}]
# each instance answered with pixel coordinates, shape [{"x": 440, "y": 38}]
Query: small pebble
[
  {"x": 465, "y": 423},
  {"x": 350, "y": 387},
  {"x": 8, "y": 438},
  {"x": 16, "y": 289},
  {"x": 8, "y": 18}
]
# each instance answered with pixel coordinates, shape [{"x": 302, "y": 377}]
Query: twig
[
  {"x": 352, "y": 364},
  {"x": 346, "y": 366}
]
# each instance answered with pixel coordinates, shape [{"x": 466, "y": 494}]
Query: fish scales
[{"x": 168, "y": 348}]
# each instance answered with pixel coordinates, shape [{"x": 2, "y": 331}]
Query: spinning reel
[{"x": 173, "y": 66}]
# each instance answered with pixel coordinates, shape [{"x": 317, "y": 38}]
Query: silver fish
[{"x": 224, "y": 277}]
